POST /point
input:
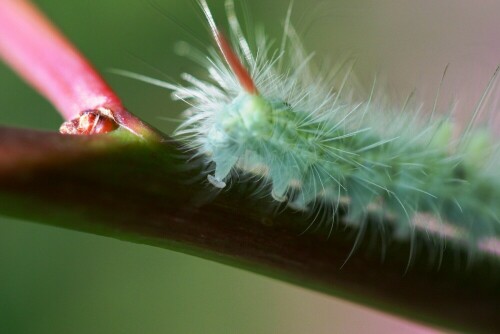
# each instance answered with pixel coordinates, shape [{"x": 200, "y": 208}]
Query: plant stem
[
  {"x": 48, "y": 61},
  {"x": 32, "y": 46},
  {"x": 92, "y": 184},
  {"x": 120, "y": 187}
]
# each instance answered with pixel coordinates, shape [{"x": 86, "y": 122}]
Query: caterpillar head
[{"x": 247, "y": 117}]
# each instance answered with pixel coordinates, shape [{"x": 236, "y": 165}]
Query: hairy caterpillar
[{"x": 268, "y": 113}]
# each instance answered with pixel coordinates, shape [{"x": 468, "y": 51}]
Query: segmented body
[{"x": 315, "y": 146}]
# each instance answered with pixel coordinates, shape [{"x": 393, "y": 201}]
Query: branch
[
  {"x": 39, "y": 53},
  {"x": 121, "y": 186},
  {"x": 47, "y": 60},
  {"x": 118, "y": 186}
]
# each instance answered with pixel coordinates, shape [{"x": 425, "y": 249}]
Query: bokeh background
[{"x": 58, "y": 281}]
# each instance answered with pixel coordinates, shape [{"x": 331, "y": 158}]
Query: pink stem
[
  {"x": 31, "y": 45},
  {"x": 48, "y": 61}
]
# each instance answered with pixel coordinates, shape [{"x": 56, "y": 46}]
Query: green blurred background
[{"x": 58, "y": 281}]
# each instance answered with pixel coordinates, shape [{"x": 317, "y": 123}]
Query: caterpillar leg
[
  {"x": 215, "y": 182},
  {"x": 280, "y": 187},
  {"x": 223, "y": 167}
]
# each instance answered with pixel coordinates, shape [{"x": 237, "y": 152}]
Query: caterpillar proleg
[{"x": 268, "y": 113}]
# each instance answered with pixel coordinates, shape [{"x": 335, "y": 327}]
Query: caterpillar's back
[{"x": 267, "y": 113}]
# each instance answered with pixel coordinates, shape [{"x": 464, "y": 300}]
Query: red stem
[
  {"x": 48, "y": 61},
  {"x": 32, "y": 46}
]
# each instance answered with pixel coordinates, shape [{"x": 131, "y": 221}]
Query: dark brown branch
[{"x": 140, "y": 192}]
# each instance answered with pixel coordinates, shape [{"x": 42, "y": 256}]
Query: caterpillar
[{"x": 266, "y": 112}]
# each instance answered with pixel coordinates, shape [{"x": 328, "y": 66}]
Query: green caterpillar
[{"x": 267, "y": 113}]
